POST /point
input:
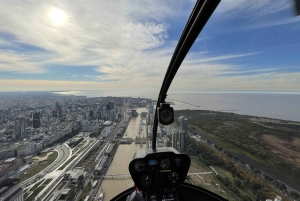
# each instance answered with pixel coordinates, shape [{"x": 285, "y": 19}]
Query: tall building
[
  {"x": 36, "y": 122},
  {"x": 20, "y": 127},
  {"x": 174, "y": 139},
  {"x": 183, "y": 125},
  {"x": 112, "y": 115},
  {"x": 150, "y": 109},
  {"x": 54, "y": 114},
  {"x": 91, "y": 113},
  {"x": 60, "y": 112},
  {"x": 181, "y": 140},
  {"x": 168, "y": 129}
]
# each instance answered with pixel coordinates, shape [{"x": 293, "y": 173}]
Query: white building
[
  {"x": 106, "y": 131},
  {"x": 90, "y": 126}
]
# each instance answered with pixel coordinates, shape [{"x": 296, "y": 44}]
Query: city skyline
[{"x": 121, "y": 45}]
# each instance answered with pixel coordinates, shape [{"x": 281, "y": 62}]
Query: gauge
[
  {"x": 152, "y": 162},
  {"x": 179, "y": 161},
  {"x": 146, "y": 180},
  {"x": 165, "y": 163},
  {"x": 166, "y": 115},
  {"x": 139, "y": 166},
  {"x": 173, "y": 177}
]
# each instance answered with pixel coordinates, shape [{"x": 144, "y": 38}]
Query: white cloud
[
  {"x": 251, "y": 8},
  {"x": 126, "y": 41}
]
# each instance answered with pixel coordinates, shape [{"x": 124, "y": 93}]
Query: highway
[{"x": 63, "y": 153}]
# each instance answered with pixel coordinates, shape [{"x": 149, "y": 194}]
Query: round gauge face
[
  {"x": 146, "y": 180},
  {"x": 139, "y": 166},
  {"x": 165, "y": 163},
  {"x": 179, "y": 161},
  {"x": 166, "y": 115},
  {"x": 173, "y": 177}
]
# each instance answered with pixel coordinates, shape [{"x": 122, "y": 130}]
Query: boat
[{"x": 101, "y": 196}]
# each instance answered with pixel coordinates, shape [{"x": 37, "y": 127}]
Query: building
[
  {"x": 143, "y": 114},
  {"x": 150, "y": 109},
  {"x": 73, "y": 175},
  {"x": 168, "y": 129},
  {"x": 90, "y": 126},
  {"x": 20, "y": 127},
  {"x": 112, "y": 115},
  {"x": 134, "y": 113},
  {"x": 106, "y": 130},
  {"x": 160, "y": 142},
  {"x": 109, "y": 150},
  {"x": 54, "y": 113},
  {"x": 175, "y": 138},
  {"x": 181, "y": 140},
  {"x": 36, "y": 121},
  {"x": 183, "y": 125},
  {"x": 101, "y": 166},
  {"x": 24, "y": 150},
  {"x": 150, "y": 132},
  {"x": 11, "y": 194},
  {"x": 8, "y": 166}
]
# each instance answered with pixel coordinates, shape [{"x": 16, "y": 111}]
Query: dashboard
[{"x": 160, "y": 169}]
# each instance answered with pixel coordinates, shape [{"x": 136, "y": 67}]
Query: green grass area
[
  {"x": 35, "y": 169},
  {"x": 210, "y": 180},
  {"x": 36, "y": 185},
  {"x": 234, "y": 149},
  {"x": 35, "y": 193},
  {"x": 85, "y": 192},
  {"x": 66, "y": 163},
  {"x": 244, "y": 190},
  {"x": 47, "y": 182}
]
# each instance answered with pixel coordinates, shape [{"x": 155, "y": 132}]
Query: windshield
[{"x": 79, "y": 83}]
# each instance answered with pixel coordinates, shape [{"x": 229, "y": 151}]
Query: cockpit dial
[
  {"x": 139, "y": 166},
  {"x": 146, "y": 180},
  {"x": 165, "y": 163},
  {"x": 179, "y": 161},
  {"x": 173, "y": 177}
]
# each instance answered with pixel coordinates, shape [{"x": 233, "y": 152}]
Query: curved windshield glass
[{"x": 79, "y": 82}]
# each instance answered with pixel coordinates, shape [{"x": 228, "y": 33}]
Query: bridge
[{"x": 112, "y": 176}]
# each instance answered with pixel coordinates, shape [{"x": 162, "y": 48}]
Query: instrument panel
[{"x": 163, "y": 168}]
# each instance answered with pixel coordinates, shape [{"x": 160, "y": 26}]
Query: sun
[{"x": 57, "y": 16}]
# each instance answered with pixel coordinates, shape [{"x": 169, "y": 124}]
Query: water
[
  {"x": 120, "y": 163},
  {"x": 272, "y": 105}
]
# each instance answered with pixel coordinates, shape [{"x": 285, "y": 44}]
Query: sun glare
[{"x": 57, "y": 16}]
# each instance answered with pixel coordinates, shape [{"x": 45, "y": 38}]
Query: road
[{"x": 63, "y": 154}]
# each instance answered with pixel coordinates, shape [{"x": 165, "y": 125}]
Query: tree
[{"x": 81, "y": 180}]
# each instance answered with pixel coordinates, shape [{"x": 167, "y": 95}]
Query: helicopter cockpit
[{"x": 159, "y": 173}]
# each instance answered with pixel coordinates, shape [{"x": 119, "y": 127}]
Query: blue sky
[{"x": 127, "y": 44}]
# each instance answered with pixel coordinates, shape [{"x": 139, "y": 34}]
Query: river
[{"x": 122, "y": 158}]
